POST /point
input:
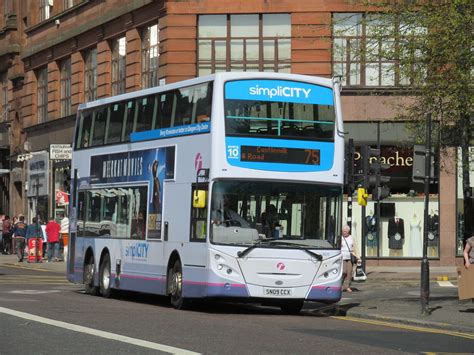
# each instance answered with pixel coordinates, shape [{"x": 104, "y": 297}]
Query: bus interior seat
[{"x": 293, "y": 130}]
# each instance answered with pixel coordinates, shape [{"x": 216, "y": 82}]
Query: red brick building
[{"x": 56, "y": 54}]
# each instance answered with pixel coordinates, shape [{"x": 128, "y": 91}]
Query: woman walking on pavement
[{"x": 349, "y": 257}]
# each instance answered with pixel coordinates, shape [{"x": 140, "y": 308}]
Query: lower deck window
[{"x": 118, "y": 212}]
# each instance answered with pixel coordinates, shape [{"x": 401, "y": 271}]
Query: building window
[
  {"x": 150, "y": 56},
  {"x": 67, "y": 4},
  {"x": 244, "y": 43},
  {"x": 46, "y": 7},
  {"x": 42, "y": 80},
  {"x": 65, "y": 87},
  {"x": 119, "y": 53},
  {"x": 3, "y": 97},
  {"x": 364, "y": 50},
  {"x": 7, "y": 8},
  {"x": 90, "y": 75}
]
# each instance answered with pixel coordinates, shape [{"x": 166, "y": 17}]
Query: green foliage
[{"x": 429, "y": 46}]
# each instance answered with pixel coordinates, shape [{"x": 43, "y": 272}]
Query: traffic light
[
  {"x": 418, "y": 168},
  {"x": 362, "y": 196},
  {"x": 349, "y": 164},
  {"x": 374, "y": 168}
]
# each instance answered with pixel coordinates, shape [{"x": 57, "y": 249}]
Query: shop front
[
  {"x": 399, "y": 240},
  {"x": 461, "y": 216},
  {"x": 37, "y": 184},
  {"x": 60, "y": 157}
]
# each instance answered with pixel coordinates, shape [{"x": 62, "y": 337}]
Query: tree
[{"x": 428, "y": 50}]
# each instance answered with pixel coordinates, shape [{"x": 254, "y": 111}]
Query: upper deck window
[
  {"x": 113, "y": 123},
  {"x": 279, "y": 109}
]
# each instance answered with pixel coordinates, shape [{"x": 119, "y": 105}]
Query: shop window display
[
  {"x": 460, "y": 225},
  {"x": 401, "y": 215},
  {"x": 402, "y": 239}
]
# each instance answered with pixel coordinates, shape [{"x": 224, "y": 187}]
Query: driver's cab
[{"x": 228, "y": 225}]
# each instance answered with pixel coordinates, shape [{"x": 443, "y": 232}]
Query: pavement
[{"x": 390, "y": 294}]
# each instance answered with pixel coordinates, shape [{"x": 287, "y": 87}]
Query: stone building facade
[{"x": 56, "y": 54}]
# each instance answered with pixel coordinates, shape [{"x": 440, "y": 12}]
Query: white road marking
[
  {"x": 445, "y": 284},
  {"x": 96, "y": 332},
  {"x": 33, "y": 292}
]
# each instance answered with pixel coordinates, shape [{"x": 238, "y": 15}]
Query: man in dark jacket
[
  {"x": 19, "y": 235},
  {"x": 7, "y": 235}
]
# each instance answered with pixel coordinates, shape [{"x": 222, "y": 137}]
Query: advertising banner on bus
[{"x": 148, "y": 166}]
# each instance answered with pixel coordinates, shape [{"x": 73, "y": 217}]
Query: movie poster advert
[{"x": 133, "y": 167}]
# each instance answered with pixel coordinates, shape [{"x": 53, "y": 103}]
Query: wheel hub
[
  {"x": 175, "y": 288},
  {"x": 106, "y": 279}
]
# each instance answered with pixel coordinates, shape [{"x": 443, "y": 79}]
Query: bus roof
[{"x": 224, "y": 76}]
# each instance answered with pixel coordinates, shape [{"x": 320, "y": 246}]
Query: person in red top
[{"x": 52, "y": 233}]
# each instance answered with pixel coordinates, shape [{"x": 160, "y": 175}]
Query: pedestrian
[
  {"x": 64, "y": 234},
  {"x": 2, "y": 217},
  {"x": 7, "y": 235},
  {"x": 19, "y": 235},
  {"x": 45, "y": 238},
  {"x": 52, "y": 233},
  {"x": 34, "y": 231},
  {"x": 349, "y": 257},
  {"x": 469, "y": 252}
]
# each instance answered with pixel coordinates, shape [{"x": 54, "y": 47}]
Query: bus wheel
[
  {"x": 89, "y": 277},
  {"x": 104, "y": 277},
  {"x": 175, "y": 286},
  {"x": 292, "y": 307}
]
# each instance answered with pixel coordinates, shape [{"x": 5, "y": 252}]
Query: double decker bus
[{"x": 225, "y": 186}]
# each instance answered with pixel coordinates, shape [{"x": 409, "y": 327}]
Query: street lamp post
[
  {"x": 425, "y": 264},
  {"x": 38, "y": 227}
]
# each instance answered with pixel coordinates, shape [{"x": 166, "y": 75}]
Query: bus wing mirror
[{"x": 199, "y": 199}]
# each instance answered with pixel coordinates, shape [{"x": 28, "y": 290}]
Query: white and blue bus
[{"x": 225, "y": 186}]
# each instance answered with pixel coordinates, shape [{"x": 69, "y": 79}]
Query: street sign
[
  {"x": 60, "y": 152},
  {"x": 38, "y": 174}
]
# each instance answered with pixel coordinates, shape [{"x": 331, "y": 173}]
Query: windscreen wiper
[
  {"x": 244, "y": 252},
  {"x": 318, "y": 257}
]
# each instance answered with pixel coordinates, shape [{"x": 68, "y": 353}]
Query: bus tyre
[
  {"x": 175, "y": 286},
  {"x": 89, "y": 277},
  {"x": 104, "y": 277},
  {"x": 292, "y": 307}
]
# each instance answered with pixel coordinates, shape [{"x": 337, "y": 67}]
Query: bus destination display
[{"x": 280, "y": 155}]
